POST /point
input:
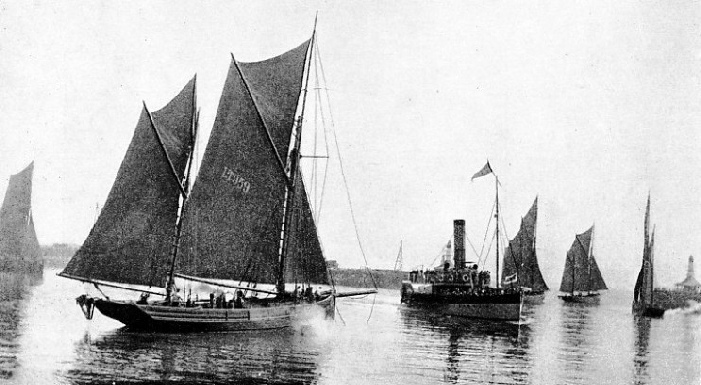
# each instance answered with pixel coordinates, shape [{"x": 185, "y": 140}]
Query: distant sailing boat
[
  {"x": 247, "y": 219},
  {"x": 650, "y": 301},
  {"x": 581, "y": 279},
  {"x": 19, "y": 247},
  {"x": 520, "y": 261},
  {"x": 644, "y": 292}
]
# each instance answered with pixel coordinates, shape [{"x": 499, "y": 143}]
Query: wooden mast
[
  {"x": 194, "y": 123},
  {"x": 293, "y": 158},
  {"x": 496, "y": 179}
]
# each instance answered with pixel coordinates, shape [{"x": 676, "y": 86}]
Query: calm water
[{"x": 45, "y": 339}]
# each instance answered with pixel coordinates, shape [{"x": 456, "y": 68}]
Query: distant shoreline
[{"x": 57, "y": 256}]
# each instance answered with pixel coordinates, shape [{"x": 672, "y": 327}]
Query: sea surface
[{"x": 45, "y": 339}]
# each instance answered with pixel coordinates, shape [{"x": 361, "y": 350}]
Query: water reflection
[
  {"x": 641, "y": 328},
  {"x": 576, "y": 333},
  {"x": 476, "y": 351},
  {"x": 285, "y": 356},
  {"x": 15, "y": 288}
]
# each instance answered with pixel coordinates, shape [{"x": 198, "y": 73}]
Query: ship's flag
[
  {"x": 513, "y": 278},
  {"x": 487, "y": 169}
]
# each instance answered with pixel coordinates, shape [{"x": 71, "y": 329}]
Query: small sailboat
[
  {"x": 462, "y": 289},
  {"x": 520, "y": 260},
  {"x": 247, "y": 219},
  {"x": 581, "y": 280},
  {"x": 19, "y": 247}
]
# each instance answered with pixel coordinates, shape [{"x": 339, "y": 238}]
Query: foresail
[
  {"x": 18, "y": 241},
  {"x": 596, "y": 281},
  {"x": 512, "y": 261},
  {"x": 132, "y": 239},
  {"x": 233, "y": 218},
  {"x": 305, "y": 259}
]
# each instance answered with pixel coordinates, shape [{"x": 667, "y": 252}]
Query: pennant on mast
[{"x": 486, "y": 170}]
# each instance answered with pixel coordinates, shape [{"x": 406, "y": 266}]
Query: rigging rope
[{"x": 345, "y": 181}]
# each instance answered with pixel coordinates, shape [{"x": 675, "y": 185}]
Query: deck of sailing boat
[{"x": 247, "y": 218}]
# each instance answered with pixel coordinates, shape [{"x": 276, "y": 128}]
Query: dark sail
[
  {"x": 275, "y": 85},
  {"x": 581, "y": 271},
  {"x": 305, "y": 260},
  {"x": 596, "y": 281},
  {"x": 233, "y": 218},
  {"x": 520, "y": 260},
  {"x": 132, "y": 239},
  {"x": 643, "y": 285},
  {"x": 19, "y": 247}
]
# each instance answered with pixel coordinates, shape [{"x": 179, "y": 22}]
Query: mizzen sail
[
  {"x": 233, "y": 218},
  {"x": 19, "y": 247},
  {"x": 132, "y": 239}
]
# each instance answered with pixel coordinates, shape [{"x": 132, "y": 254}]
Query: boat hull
[
  {"x": 161, "y": 318},
  {"x": 583, "y": 298},
  {"x": 491, "y": 305}
]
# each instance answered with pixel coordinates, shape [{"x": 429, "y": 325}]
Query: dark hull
[
  {"x": 649, "y": 311},
  {"x": 491, "y": 304},
  {"x": 160, "y": 318},
  {"x": 583, "y": 298}
]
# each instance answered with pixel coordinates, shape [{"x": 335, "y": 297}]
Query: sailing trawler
[
  {"x": 650, "y": 301},
  {"x": 462, "y": 290},
  {"x": 644, "y": 291},
  {"x": 520, "y": 260},
  {"x": 246, "y": 220},
  {"x": 19, "y": 247},
  {"x": 581, "y": 280}
]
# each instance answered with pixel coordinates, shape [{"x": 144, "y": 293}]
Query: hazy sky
[{"x": 587, "y": 104}]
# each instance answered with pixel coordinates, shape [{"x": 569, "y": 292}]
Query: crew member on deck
[{"x": 239, "y": 302}]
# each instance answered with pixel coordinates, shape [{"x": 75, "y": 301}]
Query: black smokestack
[{"x": 459, "y": 243}]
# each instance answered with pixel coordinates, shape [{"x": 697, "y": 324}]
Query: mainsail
[
  {"x": 19, "y": 247},
  {"x": 581, "y": 270},
  {"x": 233, "y": 219},
  {"x": 132, "y": 239},
  {"x": 643, "y": 292},
  {"x": 520, "y": 260}
]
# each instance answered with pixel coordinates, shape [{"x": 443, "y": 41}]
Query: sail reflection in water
[{"x": 15, "y": 288}]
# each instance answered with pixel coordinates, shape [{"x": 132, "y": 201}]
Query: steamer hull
[{"x": 488, "y": 303}]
